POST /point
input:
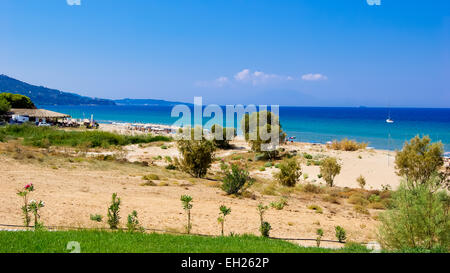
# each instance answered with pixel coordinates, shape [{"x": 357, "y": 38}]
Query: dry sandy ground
[
  {"x": 377, "y": 166},
  {"x": 73, "y": 191}
]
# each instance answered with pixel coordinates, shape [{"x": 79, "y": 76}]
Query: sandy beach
[{"x": 73, "y": 190}]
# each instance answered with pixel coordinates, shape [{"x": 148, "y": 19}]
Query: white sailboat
[{"x": 389, "y": 120}]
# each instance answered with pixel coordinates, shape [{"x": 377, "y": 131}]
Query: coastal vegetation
[
  {"x": 222, "y": 136},
  {"x": 236, "y": 179},
  {"x": 258, "y": 132},
  {"x": 290, "y": 172},
  {"x": 347, "y": 145},
  {"x": 17, "y": 101},
  {"x": 45, "y": 137},
  {"x": 196, "y": 156},
  {"x": 419, "y": 215},
  {"x": 329, "y": 169}
]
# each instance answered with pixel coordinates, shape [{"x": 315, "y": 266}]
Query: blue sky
[{"x": 298, "y": 52}]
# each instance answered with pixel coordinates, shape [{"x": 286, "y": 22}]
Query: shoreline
[{"x": 124, "y": 128}]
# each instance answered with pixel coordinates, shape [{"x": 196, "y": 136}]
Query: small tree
[
  {"x": 319, "y": 233},
  {"x": 133, "y": 223},
  {"x": 197, "y": 155},
  {"x": 361, "y": 181},
  {"x": 113, "y": 212},
  {"x": 264, "y": 227},
  {"x": 419, "y": 160},
  {"x": 222, "y": 136},
  {"x": 259, "y": 128},
  {"x": 235, "y": 180},
  {"x": 224, "y": 211},
  {"x": 340, "y": 234},
  {"x": 290, "y": 172},
  {"x": 329, "y": 169},
  {"x": 187, "y": 206},
  {"x": 34, "y": 208},
  {"x": 25, "y": 208}
]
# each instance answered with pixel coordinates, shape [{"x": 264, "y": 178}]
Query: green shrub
[
  {"x": 171, "y": 167},
  {"x": 361, "y": 181},
  {"x": 262, "y": 169},
  {"x": 150, "y": 177},
  {"x": 222, "y": 136},
  {"x": 133, "y": 224},
  {"x": 268, "y": 164},
  {"x": 309, "y": 187},
  {"x": 307, "y": 156},
  {"x": 265, "y": 229},
  {"x": 361, "y": 209},
  {"x": 340, "y": 234},
  {"x": 96, "y": 217},
  {"x": 236, "y": 179},
  {"x": 279, "y": 205},
  {"x": 113, "y": 212},
  {"x": 374, "y": 198},
  {"x": 329, "y": 169},
  {"x": 357, "y": 199},
  {"x": 316, "y": 208},
  {"x": 164, "y": 147},
  {"x": 289, "y": 173},
  {"x": 197, "y": 156},
  {"x": 418, "y": 219}
]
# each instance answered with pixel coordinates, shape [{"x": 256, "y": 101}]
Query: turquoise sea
[{"x": 308, "y": 124}]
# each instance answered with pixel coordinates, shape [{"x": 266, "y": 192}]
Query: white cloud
[
  {"x": 219, "y": 82},
  {"x": 259, "y": 77},
  {"x": 73, "y": 2},
  {"x": 314, "y": 77}
]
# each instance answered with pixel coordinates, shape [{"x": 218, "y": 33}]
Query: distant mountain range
[
  {"x": 147, "y": 102},
  {"x": 41, "y": 95}
]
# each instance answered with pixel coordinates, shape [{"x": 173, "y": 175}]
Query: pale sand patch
[{"x": 71, "y": 195}]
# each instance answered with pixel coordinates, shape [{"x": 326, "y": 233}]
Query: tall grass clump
[
  {"x": 347, "y": 145},
  {"x": 47, "y": 136}
]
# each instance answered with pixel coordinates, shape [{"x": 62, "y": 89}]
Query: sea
[{"x": 306, "y": 124}]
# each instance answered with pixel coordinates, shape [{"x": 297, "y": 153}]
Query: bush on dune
[{"x": 347, "y": 145}]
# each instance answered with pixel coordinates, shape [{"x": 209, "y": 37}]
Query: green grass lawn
[{"x": 123, "y": 242}]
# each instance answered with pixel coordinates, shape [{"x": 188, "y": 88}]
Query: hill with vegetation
[{"x": 41, "y": 95}]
